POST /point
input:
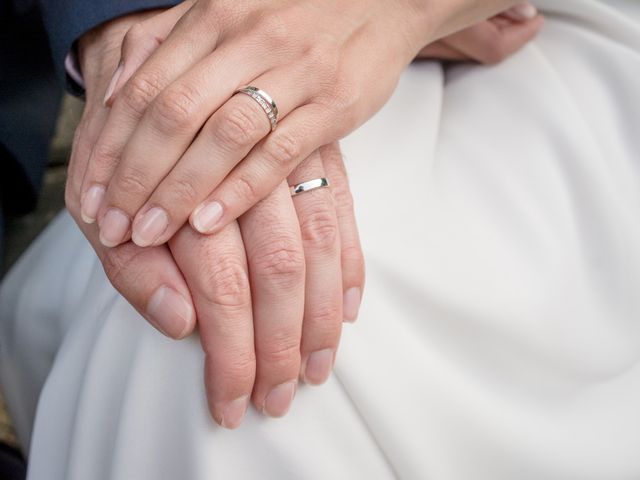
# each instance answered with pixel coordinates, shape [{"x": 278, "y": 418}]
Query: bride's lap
[{"x": 497, "y": 209}]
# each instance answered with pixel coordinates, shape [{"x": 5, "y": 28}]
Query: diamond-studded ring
[{"x": 265, "y": 101}]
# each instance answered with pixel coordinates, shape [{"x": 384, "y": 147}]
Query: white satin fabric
[{"x": 500, "y": 332}]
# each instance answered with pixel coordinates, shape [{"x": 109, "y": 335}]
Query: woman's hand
[
  {"x": 269, "y": 292},
  {"x": 179, "y": 144}
]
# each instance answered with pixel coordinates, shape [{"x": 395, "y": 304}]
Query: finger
[
  {"x": 276, "y": 262},
  {"x": 139, "y": 43},
  {"x": 177, "y": 53},
  {"x": 151, "y": 282},
  {"x": 302, "y": 132},
  {"x": 227, "y": 137},
  {"x": 164, "y": 133},
  {"x": 490, "y": 44},
  {"x": 502, "y": 21},
  {"x": 323, "y": 282},
  {"x": 440, "y": 50},
  {"x": 352, "y": 258},
  {"x": 522, "y": 12},
  {"x": 92, "y": 121},
  {"x": 215, "y": 269}
]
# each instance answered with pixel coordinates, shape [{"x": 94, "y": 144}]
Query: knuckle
[
  {"x": 344, "y": 201},
  {"x": 104, "y": 155},
  {"x": 327, "y": 320},
  {"x": 237, "y": 368},
  {"x": 133, "y": 181},
  {"x": 238, "y": 128},
  {"x": 185, "y": 191},
  {"x": 117, "y": 266},
  {"x": 273, "y": 30},
  {"x": 282, "y": 350},
  {"x": 228, "y": 283},
  {"x": 239, "y": 371},
  {"x": 245, "y": 188},
  {"x": 281, "y": 263},
  {"x": 140, "y": 91},
  {"x": 174, "y": 108},
  {"x": 283, "y": 150},
  {"x": 319, "y": 229},
  {"x": 353, "y": 259}
]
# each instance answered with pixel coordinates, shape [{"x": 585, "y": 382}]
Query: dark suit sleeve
[{"x": 67, "y": 20}]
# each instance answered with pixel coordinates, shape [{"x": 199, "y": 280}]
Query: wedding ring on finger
[
  {"x": 265, "y": 101},
  {"x": 308, "y": 186}
]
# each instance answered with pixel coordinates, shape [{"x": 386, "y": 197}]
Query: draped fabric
[{"x": 499, "y": 336}]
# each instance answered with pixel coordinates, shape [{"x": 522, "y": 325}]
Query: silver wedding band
[
  {"x": 265, "y": 101},
  {"x": 308, "y": 186}
]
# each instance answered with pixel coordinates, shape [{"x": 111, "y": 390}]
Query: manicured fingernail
[
  {"x": 206, "y": 217},
  {"x": 523, "y": 11},
  {"x": 351, "y": 304},
  {"x": 91, "y": 203},
  {"x": 318, "y": 367},
  {"x": 234, "y": 411},
  {"x": 112, "y": 84},
  {"x": 279, "y": 399},
  {"x": 170, "y": 312},
  {"x": 149, "y": 227},
  {"x": 114, "y": 227}
]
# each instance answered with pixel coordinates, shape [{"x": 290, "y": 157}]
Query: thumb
[
  {"x": 149, "y": 279},
  {"x": 139, "y": 43}
]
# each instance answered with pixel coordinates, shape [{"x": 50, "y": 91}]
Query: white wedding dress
[{"x": 500, "y": 332}]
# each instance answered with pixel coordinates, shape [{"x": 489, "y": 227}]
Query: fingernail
[
  {"x": 170, "y": 312},
  {"x": 114, "y": 227},
  {"x": 318, "y": 367},
  {"x": 112, "y": 84},
  {"x": 206, "y": 217},
  {"x": 149, "y": 227},
  {"x": 351, "y": 304},
  {"x": 91, "y": 203},
  {"x": 234, "y": 411},
  {"x": 523, "y": 11},
  {"x": 279, "y": 399}
]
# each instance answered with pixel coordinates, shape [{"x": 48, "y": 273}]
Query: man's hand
[
  {"x": 252, "y": 284},
  {"x": 491, "y": 41}
]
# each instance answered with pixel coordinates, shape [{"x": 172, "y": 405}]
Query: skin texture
[
  {"x": 213, "y": 154},
  {"x": 269, "y": 291},
  {"x": 246, "y": 286}
]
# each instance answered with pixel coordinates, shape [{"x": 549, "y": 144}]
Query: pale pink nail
[
  {"x": 351, "y": 304},
  {"x": 114, "y": 227},
  {"x": 234, "y": 411},
  {"x": 206, "y": 217},
  {"x": 170, "y": 312},
  {"x": 318, "y": 367},
  {"x": 91, "y": 202},
  {"x": 149, "y": 227},
  {"x": 279, "y": 399},
  {"x": 523, "y": 11},
  {"x": 112, "y": 84}
]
